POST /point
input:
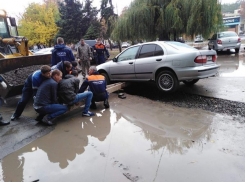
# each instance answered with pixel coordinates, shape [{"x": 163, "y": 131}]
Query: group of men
[{"x": 55, "y": 89}]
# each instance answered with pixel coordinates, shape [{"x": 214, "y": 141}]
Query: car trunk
[
  {"x": 209, "y": 54},
  {"x": 229, "y": 41}
]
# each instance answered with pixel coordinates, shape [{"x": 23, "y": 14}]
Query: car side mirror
[{"x": 114, "y": 59}]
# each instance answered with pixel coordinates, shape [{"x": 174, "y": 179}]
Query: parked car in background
[
  {"x": 44, "y": 51},
  {"x": 165, "y": 62},
  {"x": 125, "y": 45},
  {"x": 224, "y": 41},
  {"x": 198, "y": 38}
]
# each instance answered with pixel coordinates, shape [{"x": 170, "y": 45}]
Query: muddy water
[
  {"x": 133, "y": 142},
  {"x": 231, "y": 65}
]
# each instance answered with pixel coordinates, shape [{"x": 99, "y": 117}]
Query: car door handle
[
  {"x": 158, "y": 59},
  {"x": 131, "y": 63}
]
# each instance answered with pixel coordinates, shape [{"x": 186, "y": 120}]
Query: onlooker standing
[
  {"x": 29, "y": 90},
  {"x": 45, "y": 102},
  {"x": 61, "y": 53},
  {"x": 100, "y": 51},
  {"x": 68, "y": 89},
  {"x": 84, "y": 56},
  {"x": 97, "y": 85},
  {"x": 4, "y": 86}
]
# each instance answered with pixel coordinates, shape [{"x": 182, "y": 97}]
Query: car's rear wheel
[
  {"x": 190, "y": 82},
  {"x": 237, "y": 50},
  {"x": 167, "y": 81},
  {"x": 107, "y": 79}
]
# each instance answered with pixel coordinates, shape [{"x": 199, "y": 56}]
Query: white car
[
  {"x": 44, "y": 51},
  {"x": 198, "y": 38},
  {"x": 125, "y": 45}
]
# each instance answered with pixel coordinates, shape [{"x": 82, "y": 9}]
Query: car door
[
  {"x": 123, "y": 68},
  {"x": 150, "y": 56}
]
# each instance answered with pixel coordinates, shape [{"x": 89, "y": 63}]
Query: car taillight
[
  {"x": 201, "y": 59},
  {"x": 214, "y": 58},
  {"x": 239, "y": 39},
  {"x": 219, "y": 42}
]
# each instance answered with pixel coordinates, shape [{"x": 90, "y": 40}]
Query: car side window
[
  {"x": 158, "y": 51},
  {"x": 214, "y": 37},
  {"x": 147, "y": 51},
  {"x": 129, "y": 54}
]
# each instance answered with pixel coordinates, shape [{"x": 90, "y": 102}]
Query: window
[
  {"x": 158, "y": 51},
  {"x": 129, "y": 54},
  {"x": 214, "y": 37},
  {"x": 147, "y": 51},
  {"x": 3, "y": 29}
]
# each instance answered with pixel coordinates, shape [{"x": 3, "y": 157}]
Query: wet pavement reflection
[
  {"x": 231, "y": 64},
  {"x": 133, "y": 142}
]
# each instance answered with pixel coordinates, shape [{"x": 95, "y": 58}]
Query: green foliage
[
  {"x": 38, "y": 23},
  {"x": 93, "y": 31},
  {"x": 75, "y": 19},
  {"x": 165, "y": 19},
  {"x": 229, "y": 8}
]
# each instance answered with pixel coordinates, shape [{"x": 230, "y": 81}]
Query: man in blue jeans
[
  {"x": 68, "y": 89},
  {"x": 45, "y": 102},
  {"x": 29, "y": 90}
]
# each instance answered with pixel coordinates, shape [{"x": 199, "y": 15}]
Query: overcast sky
[{"x": 15, "y": 7}]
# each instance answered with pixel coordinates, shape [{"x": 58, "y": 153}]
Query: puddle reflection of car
[
  {"x": 166, "y": 63},
  {"x": 224, "y": 41},
  {"x": 44, "y": 51}
]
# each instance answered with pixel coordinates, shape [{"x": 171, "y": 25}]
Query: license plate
[{"x": 209, "y": 58}]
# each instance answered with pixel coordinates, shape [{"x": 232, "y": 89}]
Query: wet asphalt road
[{"x": 149, "y": 136}]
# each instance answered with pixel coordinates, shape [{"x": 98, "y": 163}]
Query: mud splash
[{"x": 134, "y": 142}]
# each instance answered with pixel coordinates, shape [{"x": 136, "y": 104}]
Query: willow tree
[{"x": 167, "y": 19}]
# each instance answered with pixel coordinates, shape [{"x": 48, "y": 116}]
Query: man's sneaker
[
  {"x": 13, "y": 117},
  {"x": 39, "y": 118},
  {"x": 88, "y": 114},
  {"x": 106, "y": 104}
]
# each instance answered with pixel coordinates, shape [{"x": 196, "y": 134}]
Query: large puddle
[
  {"x": 133, "y": 142},
  {"x": 231, "y": 65}
]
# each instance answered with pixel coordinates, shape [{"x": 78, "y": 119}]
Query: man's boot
[
  {"x": 2, "y": 123},
  {"x": 106, "y": 104}
]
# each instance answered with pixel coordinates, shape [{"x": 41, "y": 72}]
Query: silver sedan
[{"x": 165, "y": 62}]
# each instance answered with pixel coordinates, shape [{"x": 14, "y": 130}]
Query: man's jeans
[
  {"x": 53, "y": 110},
  {"x": 26, "y": 96},
  {"x": 79, "y": 97}
]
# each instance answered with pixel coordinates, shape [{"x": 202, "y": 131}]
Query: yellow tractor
[{"x": 16, "y": 60}]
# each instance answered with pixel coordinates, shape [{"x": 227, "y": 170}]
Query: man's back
[
  {"x": 61, "y": 53},
  {"x": 68, "y": 88},
  {"x": 47, "y": 93}
]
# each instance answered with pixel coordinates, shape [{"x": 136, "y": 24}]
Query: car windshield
[
  {"x": 227, "y": 34},
  {"x": 179, "y": 46}
]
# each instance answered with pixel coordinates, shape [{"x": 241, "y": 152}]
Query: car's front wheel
[
  {"x": 190, "y": 82},
  {"x": 167, "y": 81},
  {"x": 107, "y": 79}
]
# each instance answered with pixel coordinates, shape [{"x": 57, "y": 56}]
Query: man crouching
[
  {"x": 45, "y": 102},
  {"x": 68, "y": 89}
]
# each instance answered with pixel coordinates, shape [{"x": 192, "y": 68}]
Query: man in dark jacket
[
  {"x": 68, "y": 89},
  {"x": 100, "y": 51},
  {"x": 4, "y": 86},
  {"x": 29, "y": 90},
  {"x": 45, "y": 102},
  {"x": 61, "y": 53},
  {"x": 64, "y": 66},
  {"x": 97, "y": 85}
]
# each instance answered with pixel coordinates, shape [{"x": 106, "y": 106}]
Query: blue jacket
[
  {"x": 33, "y": 81},
  {"x": 60, "y": 66},
  {"x": 47, "y": 93},
  {"x": 97, "y": 85},
  {"x": 61, "y": 53}
]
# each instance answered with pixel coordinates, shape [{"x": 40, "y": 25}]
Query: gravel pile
[
  {"x": 182, "y": 99},
  {"x": 18, "y": 76}
]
